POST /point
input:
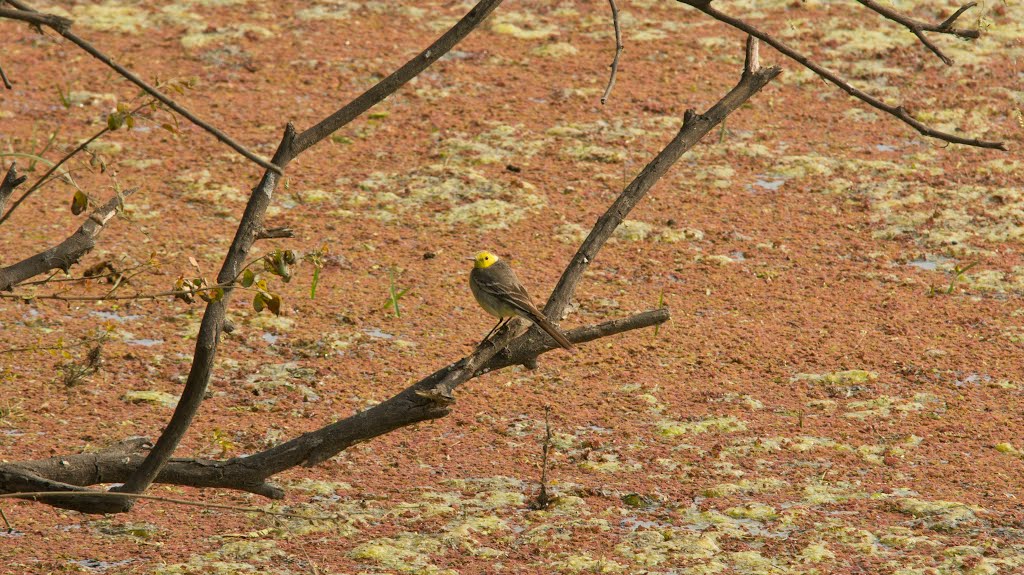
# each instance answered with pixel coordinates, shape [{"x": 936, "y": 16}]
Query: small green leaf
[
  {"x": 247, "y": 278},
  {"x": 79, "y": 203},
  {"x": 258, "y": 303},
  {"x": 115, "y": 121}
]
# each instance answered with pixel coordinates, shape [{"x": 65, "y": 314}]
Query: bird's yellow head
[{"x": 484, "y": 260}]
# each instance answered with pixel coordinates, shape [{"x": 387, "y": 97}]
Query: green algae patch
[
  {"x": 652, "y": 547},
  {"x": 938, "y": 515},
  {"x": 818, "y": 492},
  {"x": 724, "y": 424},
  {"x": 586, "y": 564},
  {"x": 404, "y": 553},
  {"x": 161, "y": 398},
  {"x": 746, "y": 487},
  {"x": 522, "y": 26},
  {"x": 754, "y": 511},
  {"x": 555, "y": 50},
  {"x": 816, "y": 553},
  {"x": 849, "y": 377},
  {"x": 322, "y": 488},
  {"x": 458, "y": 195}
]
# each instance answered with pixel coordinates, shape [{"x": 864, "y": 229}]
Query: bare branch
[
  {"x": 248, "y": 231},
  {"x": 11, "y": 180},
  {"x": 897, "y": 111},
  {"x": 397, "y": 79},
  {"x": 68, "y": 252},
  {"x": 62, "y": 25},
  {"x": 431, "y": 397},
  {"x": 918, "y": 27},
  {"x": 37, "y": 19},
  {"x": 695, "y": 126},
  {"x": 618, "y": 51}
]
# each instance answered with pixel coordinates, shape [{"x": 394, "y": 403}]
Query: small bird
[{"x": 497, "y": 290}]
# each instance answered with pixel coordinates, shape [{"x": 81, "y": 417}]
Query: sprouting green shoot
[
  {"x": 958, "y": 273},
  {"x": 394, "y": 294}
]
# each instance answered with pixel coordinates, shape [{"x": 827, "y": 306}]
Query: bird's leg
[{"x": 501, "y": 322}]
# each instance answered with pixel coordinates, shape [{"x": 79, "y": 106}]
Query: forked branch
[
  {"x": 899, "y": 111},
  {"x": 430, "y": 398},
  {"x": 919, "y": 28},
  {"x": 62, "y": 26}
]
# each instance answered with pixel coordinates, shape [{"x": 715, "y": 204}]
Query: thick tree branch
[
  {"x": 249, "y": 230},
  {"x": 117, "y": 463},
  {"x": 68, "y": 252},
  {"x": 919, "y": 28},
  {"x": 896, "y": 111},
  {"x": 62, "y": 26}
]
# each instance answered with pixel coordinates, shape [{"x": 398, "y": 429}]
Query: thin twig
[
  {"x": 918, "y": 27},
  {"x": 897, "y": 111},
  {"x": 62, "y": 25},
  {"x": 543, "y": 499},
  {"x": 7, "y": 84},
  {"x": 618, "y": 51},
  {"x": 41, "y": 495},
  {"x": 43, "y": 179}
]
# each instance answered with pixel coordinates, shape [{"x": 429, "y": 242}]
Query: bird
[{"x": 498, "y": 290}]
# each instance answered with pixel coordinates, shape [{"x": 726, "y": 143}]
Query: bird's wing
[{"x": 504, "y": 284}]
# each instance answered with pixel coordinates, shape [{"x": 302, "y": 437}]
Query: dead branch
[
  {"x": 62, "y": 26},
  {"x": 248, "y": 232},
  {"x": 919, "y": 28},
  {"x": 618, "y": 51},
  {"x": 899, "y": 112},
  {"x": 11, "y": 180},
  {"x": 431, "y": 397},
  {"x": 68, "y": 252}
]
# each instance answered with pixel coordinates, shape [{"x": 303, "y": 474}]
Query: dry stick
[
  {"x": 62, "y": 25},
  {"x": 7, "y": 84},
  {"x": 11, "y": 180},
  {"x": 43, "y": 179},
  {"x": 250, "y": 473},
  {"x": 543, "y": 499},
  {"x": 68, "y": 252},
  {"x": 918, "y": 27},
  {"x": 249, "y": 230},
  {"x": 618, "y": 51},
  {"x": 44, "y": 495},
  {"x": 898, "y": 111}
]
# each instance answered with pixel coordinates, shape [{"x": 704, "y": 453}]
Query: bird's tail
[{"x": 544, "y": 324}]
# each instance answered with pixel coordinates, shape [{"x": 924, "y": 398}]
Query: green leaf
[
  {"x": 258, "y": 303},
  {"x": 247, "y": 278},
  {"x": 79, "y": 203},
  {"x": 115, "y": 121}
]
